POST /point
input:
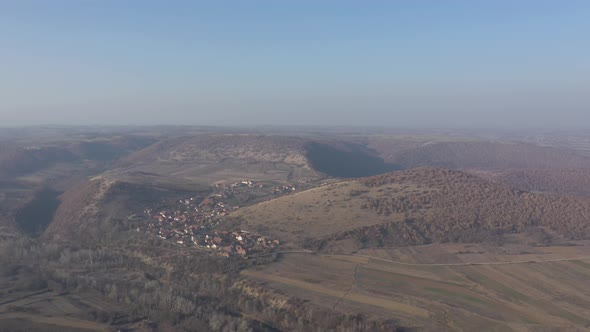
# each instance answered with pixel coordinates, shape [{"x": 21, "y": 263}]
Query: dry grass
[
  {"x": 354, "y": 297},
  {"x": 313, "y": 213},
  {"x": 49, "y": 310},
  {"x": 522, "y": 297}
]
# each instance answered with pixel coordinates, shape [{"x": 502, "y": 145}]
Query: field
[
  {"x": 506, "y": 291},
  {"x": 207, "y": 172},
  {"x": 211, "y": 158},
  {"x": 27, "y": 303}
]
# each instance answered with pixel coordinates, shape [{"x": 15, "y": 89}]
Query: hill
[
  {"x": 217, "y": 157},
  {"x": 475, "y": 154},
  {"x": 130, "y": 279},
  {"x": 231, "y": 157},
  {"x": 419, "y": 206},
  {"x": 17, "y": 160},
  {"x": 561, "y": 181},
  {"x": 98, "y": 208},
  {"x": 433, "y": 249}
]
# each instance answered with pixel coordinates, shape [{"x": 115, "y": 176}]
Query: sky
[{"x": 413, "y": 63}]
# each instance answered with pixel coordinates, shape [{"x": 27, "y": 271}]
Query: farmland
[{"x": 532, "y": 291}]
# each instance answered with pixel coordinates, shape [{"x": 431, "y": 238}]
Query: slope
[
  {"x": 419, "y": 206},
  {"x": 560, "y": 181},
  {"x": 228, "y": 157},
  {"x": 476, "y": 154}
]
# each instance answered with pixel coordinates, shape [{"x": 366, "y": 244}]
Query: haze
[{"x": 396, "y": 63}]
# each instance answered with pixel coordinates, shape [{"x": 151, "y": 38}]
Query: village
[{"x": 193, "y": 221}]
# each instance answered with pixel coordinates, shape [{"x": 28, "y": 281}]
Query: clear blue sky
[{"x": 387, "y": 63}]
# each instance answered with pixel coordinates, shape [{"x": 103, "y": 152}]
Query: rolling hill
[
  {"x": 231, "y": 157},
  {"x": 433, "y": 250},
  {"x": 17, "y": 160},
  {"x": 98, "y": 208},
  {"x": 418, "y": 206},
  {"x": 216, "y": 157},
  {"x": 475, "y": 154},
  {"x": 560, "y": 181}
]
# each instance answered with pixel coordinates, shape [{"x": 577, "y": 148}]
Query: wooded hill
[
  {"x": 418, "y": 206},
  {"x": 561, "y": 181}
]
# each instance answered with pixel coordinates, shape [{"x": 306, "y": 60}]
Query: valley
[
  {"x": 265, "y": 231},
  {"x": 294, "y": 166}
]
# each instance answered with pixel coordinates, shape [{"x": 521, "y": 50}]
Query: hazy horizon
[{"x": 456, "y": 64}]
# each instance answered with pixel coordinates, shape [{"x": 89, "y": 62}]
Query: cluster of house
[
  {"x": 192, "y": 212},
  {"x": 191, "y": 223},
  {"x": 284, "y": 189},
  {"x": 242, "y": 242},
  {"x": 235, "y": 187}
]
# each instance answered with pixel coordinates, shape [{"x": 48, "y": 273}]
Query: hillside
[
  {"x": 561, "y": 181},
  {"x": 99, "y": 208},
  {"x": 476, "y": 154},
  {"x": 136, "y": 281},
  {"x": 216, "y": 157},
  {"x": 419, "y": 206},
  {"x": 17, "y": 160},
  {"x": 432, "y": 249},
  {"x": 217, "y": 147},
  {"x": 230, "y": 157}
]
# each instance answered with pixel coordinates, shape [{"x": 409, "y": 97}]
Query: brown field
[
  {"x": 50, "y": 310},
  {"x": 209, "y": 172},
  {"x": 522, "y": 296}
]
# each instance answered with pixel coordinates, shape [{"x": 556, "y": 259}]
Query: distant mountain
[
  {"x": 477, "y": 154},
  {"x": 17, "y": 160},
  {"x": 221, "y": 157}
]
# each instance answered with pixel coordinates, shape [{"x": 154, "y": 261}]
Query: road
[
  {"x": 529, "y": 261},
  {"x": 476, "y": 263}
]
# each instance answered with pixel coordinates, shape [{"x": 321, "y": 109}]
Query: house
[{"x": 241, "y": 250}]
